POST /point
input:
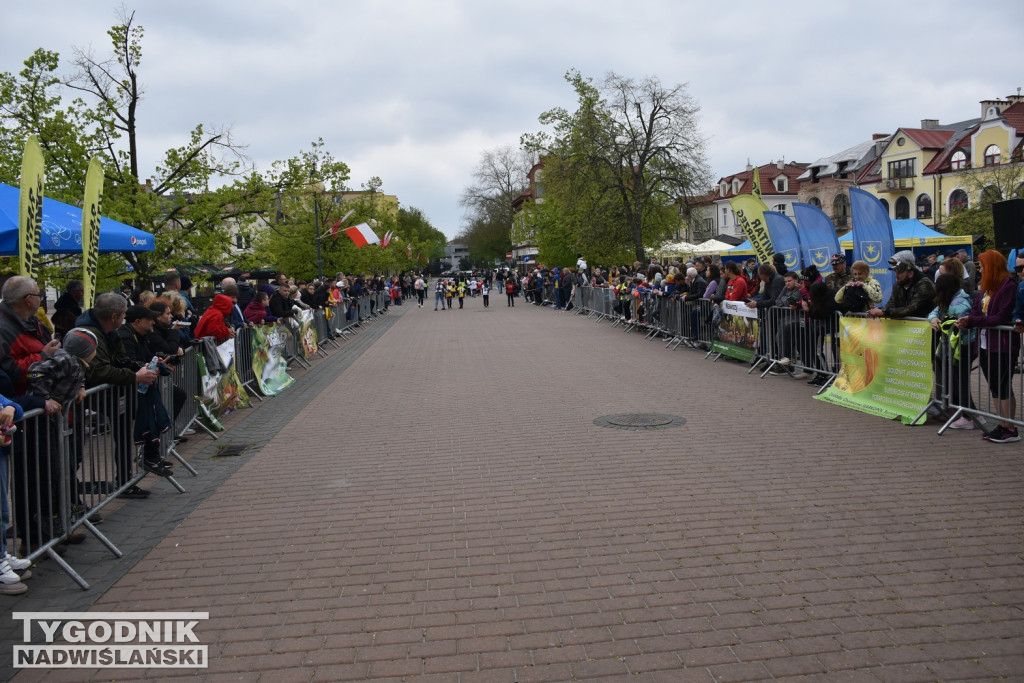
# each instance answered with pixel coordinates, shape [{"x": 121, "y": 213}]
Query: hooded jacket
[
  {"x": 212, "y": 323},
  {"x": 21, "y": 345}
]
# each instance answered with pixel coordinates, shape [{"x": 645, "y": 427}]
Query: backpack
[{"x": 855, "y": 300}]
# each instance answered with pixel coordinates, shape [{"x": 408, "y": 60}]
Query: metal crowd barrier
[
  {"x": 981, "y": 384},
  {"x": 341, "y": 324},
  {"x": 792, "y": 339},
  {"x": 293, "y": 345},
  {"x": 323, "y": 330},
  {"x": 67, "y": 467},
  {"x": 243, "y": 361},
  {"x": 982, "y": 379}
]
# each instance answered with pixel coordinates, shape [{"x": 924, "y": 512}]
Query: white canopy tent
[
  {"x": 676, "y": 249},
  {"x": 712, "y": 246}
]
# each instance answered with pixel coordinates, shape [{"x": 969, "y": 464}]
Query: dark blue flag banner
[
  {"x": 817, "y": 237},
  {"x": 872, "y": 237},
  {"x": 785, "y": 239}
]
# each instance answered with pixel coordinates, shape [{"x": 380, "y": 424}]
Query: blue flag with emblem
[
  {"x": 817, "y": 237},
  {"x": 785, "y": 238},
  {"x": 872, "y": 237}
]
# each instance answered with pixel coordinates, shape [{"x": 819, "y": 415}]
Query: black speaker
[{"x": 1008, "y": 223}]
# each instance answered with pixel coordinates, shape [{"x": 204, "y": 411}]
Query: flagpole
[{"x": 339, "y": 221}]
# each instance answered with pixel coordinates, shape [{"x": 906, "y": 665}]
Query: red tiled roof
[
  {"x": 1014, "y": 115},
  {"x": 767, "y": 174},
  {"x": 940, "y": 161},
  {"x": 928, "y": 139}
]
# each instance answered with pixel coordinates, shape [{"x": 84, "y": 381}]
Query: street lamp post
[{"x": 316, "y": 224}]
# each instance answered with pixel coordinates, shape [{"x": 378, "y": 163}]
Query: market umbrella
[{"x": 62, "y": 229}]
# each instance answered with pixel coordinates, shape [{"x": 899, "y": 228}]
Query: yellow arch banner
[
  {"x": 91, "y": 229},
  {"x": 30, "y": 207}
]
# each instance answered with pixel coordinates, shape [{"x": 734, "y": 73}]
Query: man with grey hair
[
  {"x": 23, "y": 339},
  {"x": 112, "y": 366}
]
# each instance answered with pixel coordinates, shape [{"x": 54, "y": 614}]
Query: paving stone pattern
[{"x": 443, "y": 508}]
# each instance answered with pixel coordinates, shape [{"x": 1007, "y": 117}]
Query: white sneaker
[
  {"x": 784, "y": 361},
  {"x": 963, "y": 423},
  {"x": 10, "y": 582},
  {"x": 18, "y": 564}
]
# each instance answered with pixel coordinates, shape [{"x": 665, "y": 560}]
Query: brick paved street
[{"x": 444, "y": 509}]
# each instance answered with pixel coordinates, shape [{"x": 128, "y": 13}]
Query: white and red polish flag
[{"x": 362, "y": 235}]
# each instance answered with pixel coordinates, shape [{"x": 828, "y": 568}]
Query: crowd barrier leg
[
  {"x": 243, "y": 362},
  {"x": 172, "y": 394}
]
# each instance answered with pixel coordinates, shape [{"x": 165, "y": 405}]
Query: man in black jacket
[{"x": 113, "y": 366}]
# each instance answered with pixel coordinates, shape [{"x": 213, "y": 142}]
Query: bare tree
[
  {"x": 636, "y": 139},
  {"x": 498, "y": 179}
]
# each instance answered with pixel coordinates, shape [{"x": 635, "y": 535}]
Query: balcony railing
[{"x": 895, "y": 184}]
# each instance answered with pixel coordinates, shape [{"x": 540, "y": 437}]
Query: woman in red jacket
[
  {"x": 213, "y": 323},
  {"x": 736, "y": 286}
]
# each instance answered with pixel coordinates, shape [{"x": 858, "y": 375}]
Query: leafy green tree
[
  {"x": 985, "y": 186},
  {"x": 188, "y": 220},
  {"x": 637, "y": 141},
  {"x": 425, "y": 241}
]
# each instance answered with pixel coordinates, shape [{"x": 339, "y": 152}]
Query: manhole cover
[
  {"x": 639, "y": 421},
  {"x": 231, "y": 450}
]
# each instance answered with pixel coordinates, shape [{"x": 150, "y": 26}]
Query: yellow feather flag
[
  {"x": 91, "y": 229},
  {"x": 750, "y": 215},
  {"x": 757, "y": 183},
  {"x": 30, "y": 208}
]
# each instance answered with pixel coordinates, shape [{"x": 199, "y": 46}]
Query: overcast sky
[{"x": 413, "y": 92}]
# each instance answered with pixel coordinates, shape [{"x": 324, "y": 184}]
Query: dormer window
[
  {"x": 958, "y": 161},
  {"x": 992, "y": 155},
  {"x": 723, "y": 189},
  {"x": 736, "y": 185},
  {"x": 781, "y": 183}
]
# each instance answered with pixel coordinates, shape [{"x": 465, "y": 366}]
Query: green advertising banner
[
  {"x": 307, "y": 335},
  {"x": 886, "y": 368},
  {"x": 736, "y": 335},
  {"x": 268, "y": 362},
  {"x": 222, "y": 392}
]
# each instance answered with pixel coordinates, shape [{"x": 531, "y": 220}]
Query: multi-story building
[
  {"x": 826, "y": 182},
  {"x": 779, "y": 189},
  {"x": 930, "y": 172}
]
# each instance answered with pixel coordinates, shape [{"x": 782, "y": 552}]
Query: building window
[
  {"x": 814, "y": 201},
  {"x": 904, "y": 168},
  {"x": 957, "y": 201},
  {"x": 959, "y": 160},
  {"x": 780, "y": 183},
  {"x": 902, "y": 208},
  {"x": 781, "y": 208},
  {"x": 924, "y": 206},
  {"x": 885, "y": 203},
  {"x": 992, "y": 155},
  {"x": 709, "y": 225},
  {"x": 725, "y": 217},
  {"x": 841, "y": 210}
]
